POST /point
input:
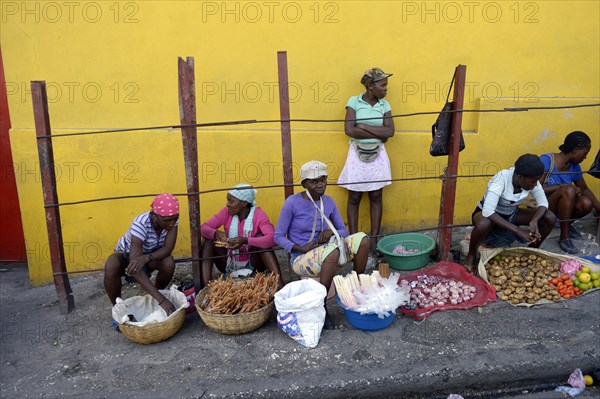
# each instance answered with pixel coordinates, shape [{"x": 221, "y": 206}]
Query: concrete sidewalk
[{"x": 475, "y": 352}]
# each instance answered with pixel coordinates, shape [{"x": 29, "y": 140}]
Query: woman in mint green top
[{"x": 367, "y": 168}]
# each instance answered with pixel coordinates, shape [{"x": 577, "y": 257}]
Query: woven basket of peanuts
[
  {"x": 523, "y": 276},
  {"x": 237, "y": 306}
]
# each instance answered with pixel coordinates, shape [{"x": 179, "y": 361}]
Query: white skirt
[{"x": 357, "y": 171}]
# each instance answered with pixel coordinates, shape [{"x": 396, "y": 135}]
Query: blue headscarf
[{"x": 244, "y": 192}]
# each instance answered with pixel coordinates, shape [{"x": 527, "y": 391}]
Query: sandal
[
  {"x": 567, "y": 246},
  {"x": 574, "y": 234},
  {"x": 116, "y": 326}
]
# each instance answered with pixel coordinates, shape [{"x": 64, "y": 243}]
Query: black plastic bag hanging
[
  {"x": 595, "y": 168},
  {"x": 440, "y": 130}
]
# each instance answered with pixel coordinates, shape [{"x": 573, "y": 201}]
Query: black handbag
[
  {"x": 440, "y": 130},
  {"x": 595, "y": 168}
]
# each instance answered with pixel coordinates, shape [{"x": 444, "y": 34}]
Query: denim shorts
[
  {"x": 146, "y": 268},
  {"x": 500, "y": 237}
]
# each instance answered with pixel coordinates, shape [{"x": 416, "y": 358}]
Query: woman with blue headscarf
[{"x": 246, "y": 228}]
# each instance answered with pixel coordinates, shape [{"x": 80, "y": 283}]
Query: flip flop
[
  {"x": 116, "y": 326},
  {"x": 568, "y": 246}
]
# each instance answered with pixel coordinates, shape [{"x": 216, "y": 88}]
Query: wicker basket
[
  {"x": 154, "y": 332},
  {"x": 158, "y": 331},
  {"x": 233, "y": 324}
]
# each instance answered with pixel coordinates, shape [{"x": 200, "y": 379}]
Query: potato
[
  {"x": 515, "y": 301},
  {"x": 504, "y": 297}
]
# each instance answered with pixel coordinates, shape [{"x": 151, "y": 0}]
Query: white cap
[{"x": 313, "y": 170}]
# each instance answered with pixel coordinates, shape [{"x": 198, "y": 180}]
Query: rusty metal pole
[
  {"x": 284, "y": 113},
  {"x": 66, "y": 301},
  {"x": 187, "y": 114},
  {"x": 447, "y": 200}
]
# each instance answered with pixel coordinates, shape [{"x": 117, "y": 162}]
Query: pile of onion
[
  {"x": 428, "y": 291},
  {"x": 570, "y": 266}
]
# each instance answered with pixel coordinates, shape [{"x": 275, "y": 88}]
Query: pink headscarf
[{"x": 165, "y": 205}]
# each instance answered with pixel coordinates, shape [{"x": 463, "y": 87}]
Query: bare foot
[{"x": 470, "y": 264}]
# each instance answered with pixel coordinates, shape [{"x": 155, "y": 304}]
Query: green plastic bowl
[{"x": 422, "y": 242}]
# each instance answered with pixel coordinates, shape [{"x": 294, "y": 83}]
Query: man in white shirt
[{"x": 497, "y": 217}]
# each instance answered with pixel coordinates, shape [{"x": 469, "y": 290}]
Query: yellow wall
[{"x": 114, "y": 65}]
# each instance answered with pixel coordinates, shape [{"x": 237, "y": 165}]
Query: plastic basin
[
  {"x": 367, "y": 321},
  {"x": 421, "y": 242}
]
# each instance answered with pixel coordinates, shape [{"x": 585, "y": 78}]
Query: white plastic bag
[
  {"x": 145, "y": 309},
  {"x": 301, "y": 311},
  {"x": 382, "y": 298}
]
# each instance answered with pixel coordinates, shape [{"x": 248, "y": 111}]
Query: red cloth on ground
[{"x": 452, "y": 271}]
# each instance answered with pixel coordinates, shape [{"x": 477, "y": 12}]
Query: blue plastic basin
[{"x": 368, "y": 321}]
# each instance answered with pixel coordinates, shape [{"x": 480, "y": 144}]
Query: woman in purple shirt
[{"x": 305, "y": 234}]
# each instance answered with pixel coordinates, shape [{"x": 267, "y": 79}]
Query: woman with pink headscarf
[{"x": 145, "y": 247}]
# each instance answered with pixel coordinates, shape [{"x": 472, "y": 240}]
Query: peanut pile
[
  {"x": 228, "y": 298},
  {"x": 523, "y": 279}
]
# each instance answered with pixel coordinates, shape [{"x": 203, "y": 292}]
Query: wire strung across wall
[
  {"x": 256, "y": 121},
  {"x": 277, "y": 248},
  {"x": 216, "y": 190}
]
